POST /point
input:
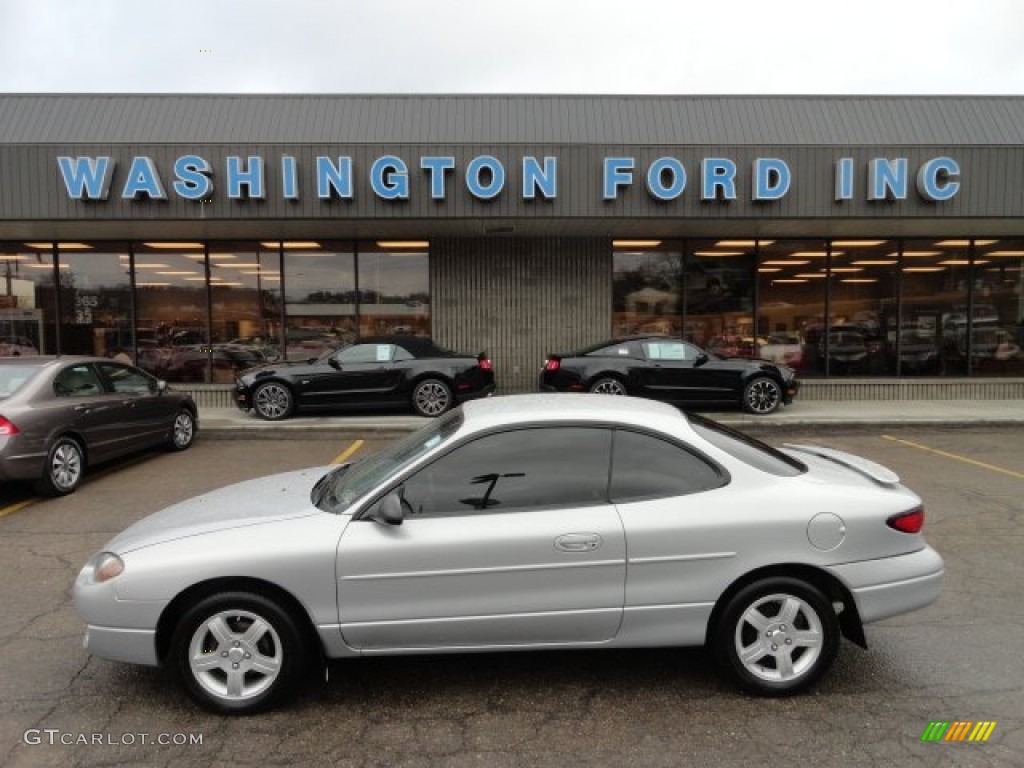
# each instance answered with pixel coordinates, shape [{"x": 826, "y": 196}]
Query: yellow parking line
[
  {"x": 975, "y": 462},
  {"x": 11, "y": 509},
  {"x": 341, "y": 457}
]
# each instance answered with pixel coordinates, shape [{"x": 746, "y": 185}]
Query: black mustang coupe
[
  {"x": 376, "y": 372},
  {"x": 671, "y": 370}
]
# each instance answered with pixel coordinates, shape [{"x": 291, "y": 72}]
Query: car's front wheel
[
  {"x": 183, "y": 431},
  {"x": 238, "y": 652},
  {"x": 777, "y": 636},
  {"x": 65, "y": 465},
  {"x": 431, "y": 397},
  {"x": 762, "y": 395},
  {"x": 273, "y": 401}
]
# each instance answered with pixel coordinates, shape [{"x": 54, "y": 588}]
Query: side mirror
[
  {"x": 701, "y": 359},
  {"x": 333, "y": 362},
  {"x": 389, "y": 511},
  {"x": 161, "y": 386}
]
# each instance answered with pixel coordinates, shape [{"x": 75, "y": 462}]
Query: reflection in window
[
  {"x": 95, "y": 299},
  {"x": 933, "y": 329},
  {"x": 320, "y": 298},
  {"x": 646, "y": 288},
  {"x": 394, "y": 289},
  {"x": 791, "y": 315},
  {"x": 863, "y": 307},
  {"x": 719, "y": 296},
  {"x": 27, "y": 300},
  {"x": 171, "y": 317},
  {"x": 998, "y": 335}
]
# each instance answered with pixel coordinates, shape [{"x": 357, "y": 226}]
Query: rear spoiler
[{"x": 869, "y": 469}]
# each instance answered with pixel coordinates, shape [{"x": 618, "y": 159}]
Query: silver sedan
[{"x": 519, "y": 523}]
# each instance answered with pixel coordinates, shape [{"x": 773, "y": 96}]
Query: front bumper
[
  {"x": 893, "y": 585},
  {"x": 134, "y": 646},
  {"x": 789, "y": 390}
]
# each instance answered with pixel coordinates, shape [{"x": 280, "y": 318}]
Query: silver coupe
[{"x": 519, "y": 523}]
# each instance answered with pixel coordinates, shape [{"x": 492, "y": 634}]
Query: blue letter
[
  {"x": 537, "y": 180},
  {"x": 887, "y": 179},
  {"x": 143, "y": 180},
  {"x": 289, "y": 178},
  {"x": 437, "y": 166},
  {"x": 194, "y": 183},
  {"x": 655, "y": 178},
  {"x": 389, "y": 178},
  {"x": 87, "y": 177},
  {"x": 771, "y": 178},
  {"x": 252, "y": 179},
  {"x": 844, "y": 178},
  {"x": 334, "y": 180},
  {"x": 928, "y": 183},
  {"x": 476, "y": 188},
  {"x": 718, "y": 173},
  {"x": 618, "y": 172}
]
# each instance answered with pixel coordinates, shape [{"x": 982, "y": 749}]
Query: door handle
[{"x": 578, "y": 542}]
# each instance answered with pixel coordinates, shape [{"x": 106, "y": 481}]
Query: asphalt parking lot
[{"x": 960, "y": 659}]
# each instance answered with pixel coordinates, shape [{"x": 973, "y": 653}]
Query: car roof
[
  {"x": 417, "y": 346},
  {"x": 41, "y": 361},
  {"x": 517, "y": 409}
]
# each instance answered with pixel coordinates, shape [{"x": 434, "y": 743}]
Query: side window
[
  {"x": 523, "y": 469},
  {"x": 402, "y": 354},
  {"x": 669, "y": 350},
  {"x": 366, "y": 353},
  {"x": 77, "y": 381},
  {"x": 126, "y": 380},
  {"x": 647, "y": 467}
]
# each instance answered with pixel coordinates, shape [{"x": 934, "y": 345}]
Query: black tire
[
  {"x": 608, "y": 385},
  {"x": 273, "y": 401},
  {"x": 64, "y": 468},
  {"x": 183, "y": 431},
  {"x": 762, "y": 395},
  {"x": 777, "y": 636},
  {"x": 236, "y": 674},
  {"x": 432, "y": 397}
]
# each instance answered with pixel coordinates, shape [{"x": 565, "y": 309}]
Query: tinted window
[
  {"x": 76, "y": 381},
  {"x": 625, "y": 349},
  {"x": 126, "y": 380},
  {"x": 746, "y": 449},
  {"x": 646, "y": 467},
  {"x": 516, "y": 470},
  {"x": 366, "y": 353}
]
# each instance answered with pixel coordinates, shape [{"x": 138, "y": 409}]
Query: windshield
[
  {"x": 337, "y": 490},
  {"x": 12, "y": 377}
]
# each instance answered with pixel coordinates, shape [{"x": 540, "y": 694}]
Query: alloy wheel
[
  {"x": 66, "y": 466},
  {"x": 779, "y": 638},
  {"x": 763, "y": 396},
  {"x": 273, "y": 401},
  {"x": 235, "y": 655},
  {"x": 609, "y": 387},
  {"x": 432, "y": 398},
  {"x": 184, "y": 428}
]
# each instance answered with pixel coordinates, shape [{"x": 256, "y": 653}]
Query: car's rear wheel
[
  {"x": 273, "y": 401},
  {"x": 777, "y": 636},
  {"x": 431, "y": 397},
  {"x": 64, "y": 468},
  {"x": 607, "y": 385},
  {"x": 238, "y": 652},
  {"x": 183, "y": 431},
  {"x": 762, "y": 395}
]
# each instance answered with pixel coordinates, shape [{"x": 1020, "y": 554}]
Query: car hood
[{"x": 253, "y": 502}]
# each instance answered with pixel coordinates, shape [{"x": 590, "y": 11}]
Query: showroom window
[
  {"x": 863, "y": 307},
  {"x": 320, "y": 297},
  {"x": 933, "y": 330},
  {"x": 171, "y": 315},
  {"x": 998, "y": 315},
  {"x": 646, "y": 287},
  {"x": 718, "y": 293},
  {"x": 394, "y": 288},
  {"x": 28, "y": 300},
  {"x": 95, "y": 299}
]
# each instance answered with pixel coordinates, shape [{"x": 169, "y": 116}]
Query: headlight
[{"x": 106, "y": 566}]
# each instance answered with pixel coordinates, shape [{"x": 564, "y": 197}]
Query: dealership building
[{"x": 868, "y": 238}]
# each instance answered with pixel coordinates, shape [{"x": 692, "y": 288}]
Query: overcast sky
[{"x": 516, "y": 46}]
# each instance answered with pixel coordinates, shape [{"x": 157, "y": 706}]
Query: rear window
[
  {"x": 746, "y": 449},
  {"x": 12, "y": 377}
]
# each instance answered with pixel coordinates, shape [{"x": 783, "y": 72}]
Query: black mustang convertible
[
  {"x": 380, "y": 372},
  {"x": 671, "y": 370}
]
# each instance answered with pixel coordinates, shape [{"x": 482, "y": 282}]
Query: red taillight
[
  {"x": 6, "y": 428},
  {"x": 908, "y": 522},
  {"x": 485, "y": 364},
  {"x": 552, "y": 364}
]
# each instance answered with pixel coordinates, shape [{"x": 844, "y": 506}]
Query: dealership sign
[{"x": 485, "y": 178}]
